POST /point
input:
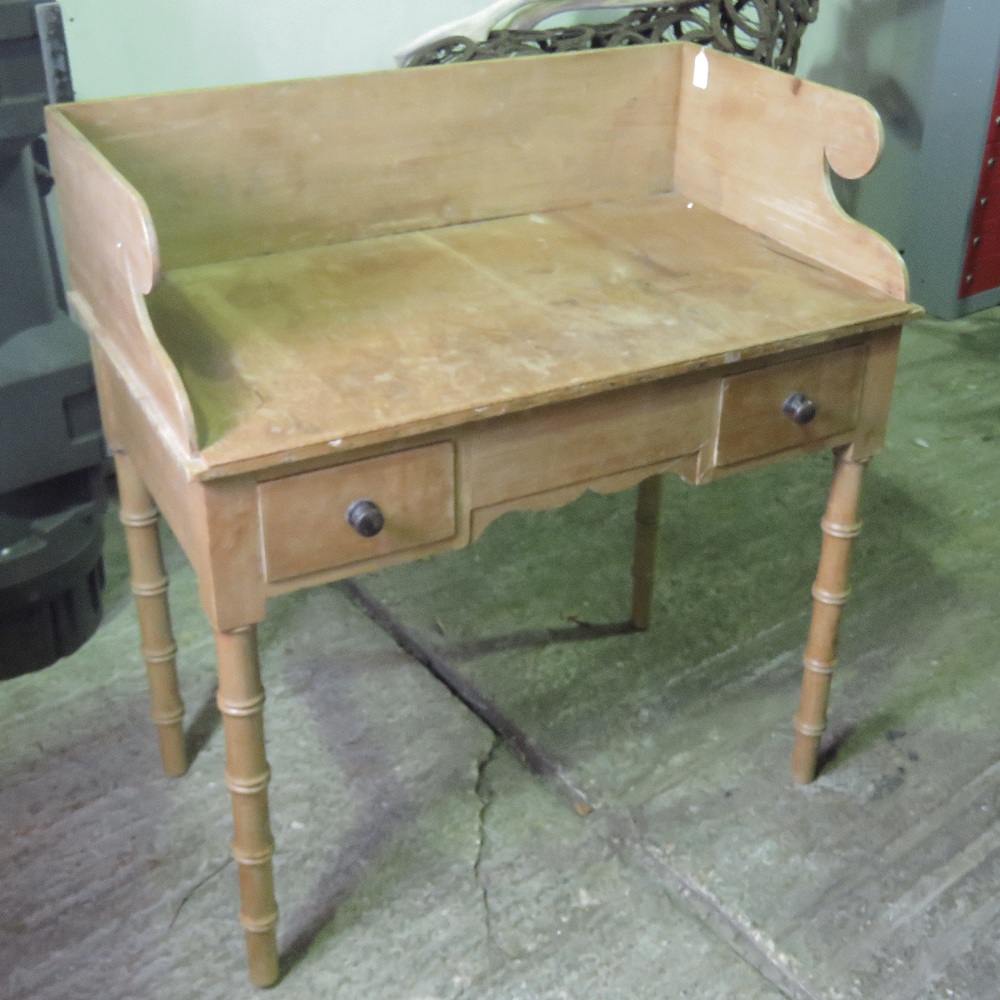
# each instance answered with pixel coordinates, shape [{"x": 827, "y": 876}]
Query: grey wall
[
  {"x": 882, "y": 50},
  {"x": 139, "y": 46}
]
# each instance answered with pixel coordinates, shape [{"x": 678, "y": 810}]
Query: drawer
[
  {"x": 573, "y": 442},
  {"x": 304, "y": 518},
  {"x": 752, "y": 420}
]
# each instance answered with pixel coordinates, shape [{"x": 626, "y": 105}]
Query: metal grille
[{"x": 764, "y": 31}]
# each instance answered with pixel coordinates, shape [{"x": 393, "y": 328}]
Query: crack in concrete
[
  {"x": 624, "y": 837},
  {"x": 194, "y": 888},
  {"x": 485, "y": 801},
  {"x": 535, "y": 758}
]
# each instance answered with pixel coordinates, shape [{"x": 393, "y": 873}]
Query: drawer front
[
  {"x": 304, "y": 518},
  {"x": 753, "y": 423},
  {"x": 587, "y": 439}
]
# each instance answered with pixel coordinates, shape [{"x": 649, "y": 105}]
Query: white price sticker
[{"x": 701, "y": 70}]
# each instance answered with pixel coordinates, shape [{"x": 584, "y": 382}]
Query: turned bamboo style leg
[
  {"x": 647, "y": 531},
  {"x": 241, "y": 702},
  {"x": 149, "y": 585},
  {"x": 830, "y": 593}
]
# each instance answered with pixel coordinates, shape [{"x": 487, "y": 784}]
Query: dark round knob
[
  {"x": 799, "y": 408},
  {"x": 365, "y": 518}
]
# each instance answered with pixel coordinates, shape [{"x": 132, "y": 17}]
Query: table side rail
[
  {"x": 757, "y": 147},
  {"x": 113, "y": 260}
]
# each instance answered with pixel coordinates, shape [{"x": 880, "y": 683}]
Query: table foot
[
  {"x": 647, "y": 531},
  {"x": 241, "y": 702},
  {"x": 830, "y": 593},
  {"x": 149, "y": 585}
]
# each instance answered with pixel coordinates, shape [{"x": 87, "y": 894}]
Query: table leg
[
  {"x": 830, "y": 593},
  {"x": 241, "y": 702},
  {"x": 149, "y": 585},
  {"x": 647, "y": 531}
]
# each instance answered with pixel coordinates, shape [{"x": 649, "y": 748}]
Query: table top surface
[{"x": 361, "y": 343}]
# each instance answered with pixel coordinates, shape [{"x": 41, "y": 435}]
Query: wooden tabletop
[{"x": 364, "y": 342}]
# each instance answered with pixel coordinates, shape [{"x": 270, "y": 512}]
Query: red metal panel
[
  {"x": 989, "y": 244},
  {"x": 982, "y": 255}
]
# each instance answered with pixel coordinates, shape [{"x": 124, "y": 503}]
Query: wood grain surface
[
  {"x": 360, "y": 343},
  {"x": 113, "y": 261},
  {"x": 353, "y": 260},
  {"x": 758, "y": 146},
  {"x": 236, "y": 172}
]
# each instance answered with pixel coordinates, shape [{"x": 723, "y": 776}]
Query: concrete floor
[{"x": 657, "y": 849}]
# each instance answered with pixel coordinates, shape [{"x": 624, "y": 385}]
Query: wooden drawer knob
[
  {"x": 799, "y": 408},
  {"x": 365, "y": 518}
]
